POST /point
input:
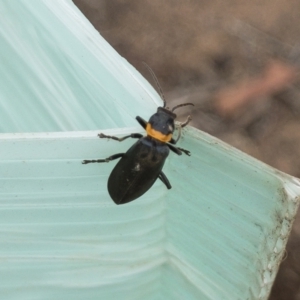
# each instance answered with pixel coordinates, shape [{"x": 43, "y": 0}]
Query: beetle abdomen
[
  {"x": 128, "y": 187},
  {"x": 137, "y": 170}
]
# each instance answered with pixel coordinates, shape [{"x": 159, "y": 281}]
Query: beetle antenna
[
  {"x": 157, "y": 84},
  {"x": 180, "y": 105}
]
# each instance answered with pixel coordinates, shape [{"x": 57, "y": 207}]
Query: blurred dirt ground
[{"x": 237, "y": 61}]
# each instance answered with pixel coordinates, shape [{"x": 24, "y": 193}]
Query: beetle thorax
[{"x": 161, "y": 125}]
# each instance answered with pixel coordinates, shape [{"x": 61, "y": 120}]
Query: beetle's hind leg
[
  {"x": 133, "y": 135},
  {"x": 164, "y": 179},
  {"x": 108, "y": 159}
]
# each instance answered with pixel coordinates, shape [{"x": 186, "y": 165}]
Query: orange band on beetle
[{"x": 158, "y": 135}]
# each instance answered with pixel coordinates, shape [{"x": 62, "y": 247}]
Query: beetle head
[{"x": 163, "y": 121}]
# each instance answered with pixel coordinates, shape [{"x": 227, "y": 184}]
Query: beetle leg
[
  {"x": 187, "y": 121},
  {"x": 133, "y": 135},
  {"x": 172, "y": 141},
  {"x": 108, "y": 159},
  {"x": 174, "y": 149},
  {"x": 187, "y": 152},
  {"x": 178, "y": 150},
  {"x": 142, "y": 122},
  {"x": 179, "y": 135},
  {"x": 165, "y": 180},
  {"x": 181, "y": 125}
]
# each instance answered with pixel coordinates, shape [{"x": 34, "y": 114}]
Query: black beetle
[{"x": 142, "y": 164}]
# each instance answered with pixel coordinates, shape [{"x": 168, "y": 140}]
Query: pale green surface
[
  {"x": 228, "y": 222},
  {"x": 54, "y": 69},
  {"x": 215, "y": 235},
  {"x": 218, "y": 234}
]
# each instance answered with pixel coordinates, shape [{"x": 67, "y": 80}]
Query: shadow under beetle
[{"x": 142, "y": 164}]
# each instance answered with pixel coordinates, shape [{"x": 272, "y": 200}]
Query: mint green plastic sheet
[{"x": 219, "y": 233}]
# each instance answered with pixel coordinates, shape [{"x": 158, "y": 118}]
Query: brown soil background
[{"x": 237, "y": 61}]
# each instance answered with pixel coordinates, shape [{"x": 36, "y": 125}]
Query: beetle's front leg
[
  {"x": 181, "y": 125},
  {"x": 142, "y": 122},
  {"x": 133, "y": 135}
]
